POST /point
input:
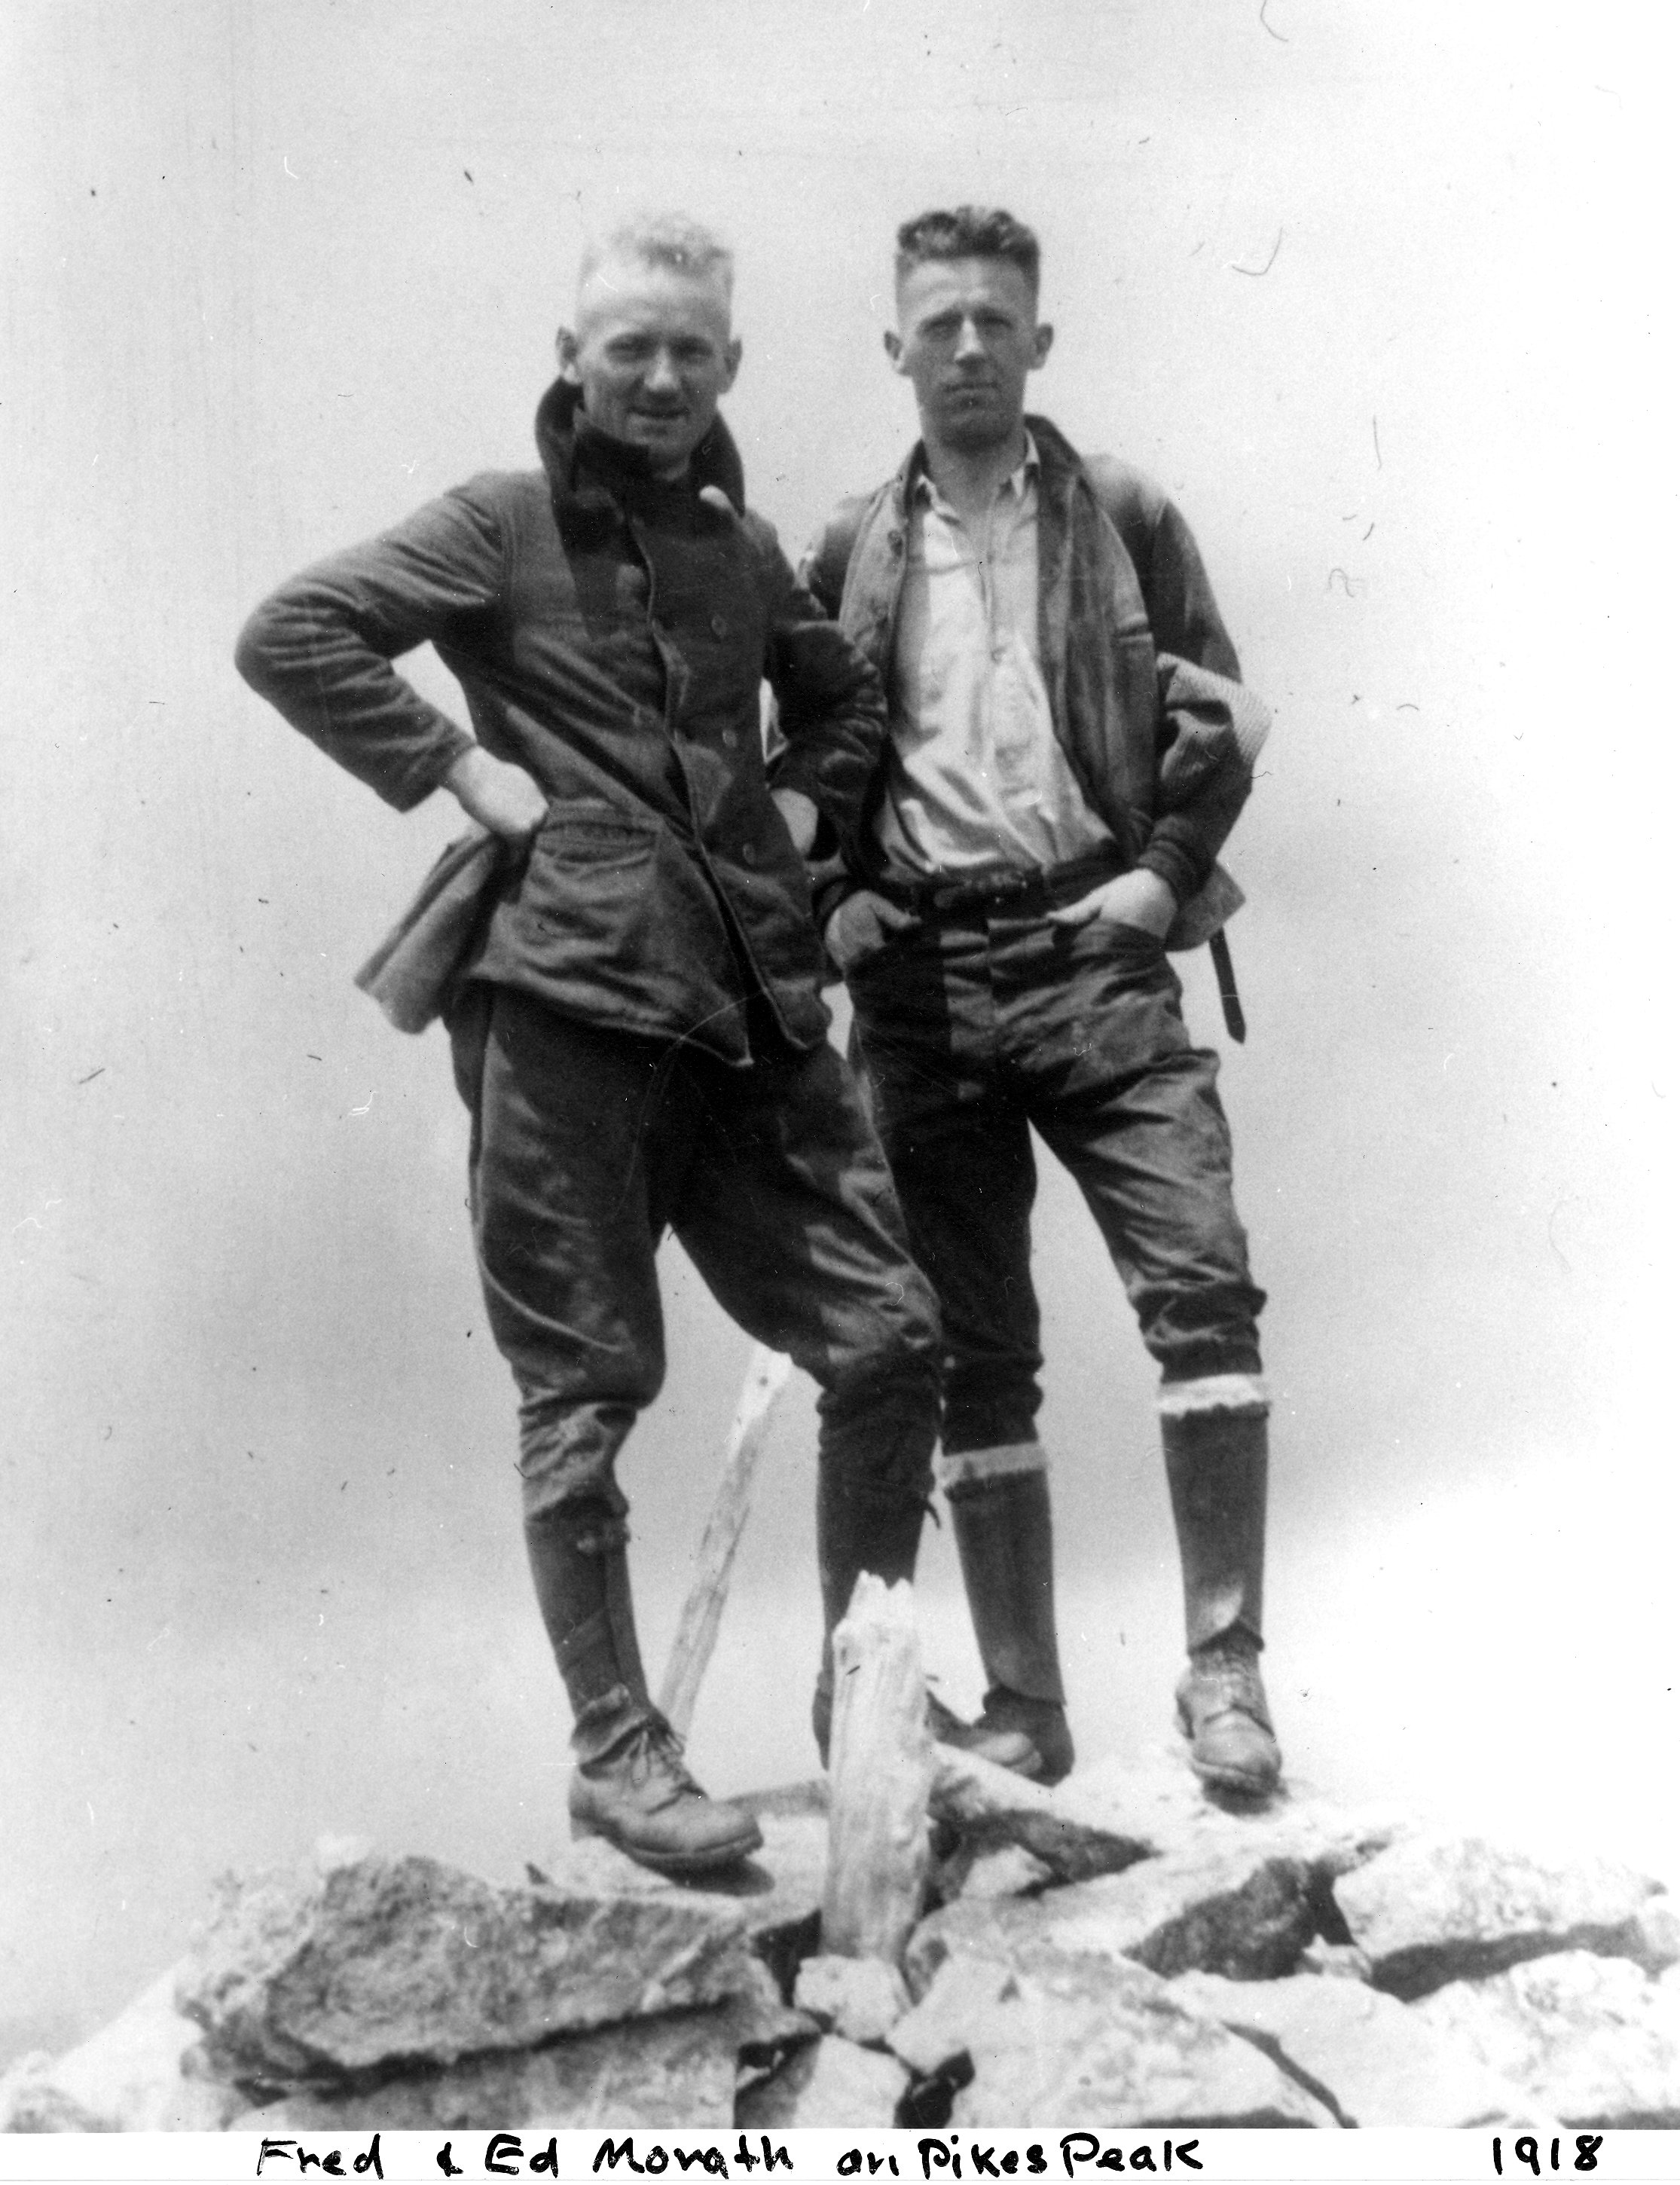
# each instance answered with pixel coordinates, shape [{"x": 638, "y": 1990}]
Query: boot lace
[
  {"x": 650, "y": 1757},
  {"x": 1223, "y": 1680}
]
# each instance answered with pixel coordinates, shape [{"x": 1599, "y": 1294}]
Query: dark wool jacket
[
  {"x": 1161, "y": 757},
  {"x": 610, "y": 632}
]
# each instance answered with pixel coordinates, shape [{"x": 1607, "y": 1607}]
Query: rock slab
[
  {"x": 778, "y": 1892},
  {"x": 679, "y": 2069},
  {"x": 1335, "y": 1960},
  {"x": 1164, "y": 1804},
  {"x": 991, "y": 1808},
  {"x": 384, "y": 1962},
  {"x": 861, "y": 1998},
  {"x": 1008, "y": 1871},
  {"x": 1226, "y": 1910},
  {"x": 1657, "y": 1934},
  {"x": 1366, "y": 2054},
  {"x": 1439, "y": 1907},
  {"x": 834, "y": 2082},
  {"x": 146, "y": 2072},
  {"x": 1593, "y": 2040},
  {"x": 1091, "y": 2045}
]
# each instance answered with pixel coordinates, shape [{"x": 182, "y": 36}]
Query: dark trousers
[
  {"x": 588, "y": 1144},
  {"x": 977, "y": 1025}
]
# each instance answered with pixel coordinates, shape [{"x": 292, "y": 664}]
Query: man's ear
[
  {"x": 732, "y": 363},
  {"x": 1042, "y": 338},
  {"x": 565, "y": 353},
  {"x": 893, "y": 344}
]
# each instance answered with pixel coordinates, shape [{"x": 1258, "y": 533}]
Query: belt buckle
[
  {"x": 976, "y": 894},
  {"x": 1005, "y": 887}
]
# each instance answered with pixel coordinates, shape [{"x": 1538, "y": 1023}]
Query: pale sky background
[{"x": 1381, "y": 296}]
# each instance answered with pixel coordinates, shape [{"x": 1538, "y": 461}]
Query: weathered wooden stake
[
  {"x": 880, "y": 1770},
  {"x": 766, "y": 1376}
]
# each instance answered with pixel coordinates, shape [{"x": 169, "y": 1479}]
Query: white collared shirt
[{"x": 976, "y": 780}]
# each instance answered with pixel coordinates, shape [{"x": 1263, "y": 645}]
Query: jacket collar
[
  {"x": 1058, "y": 463},
  {"x": 715, "y": 463}
]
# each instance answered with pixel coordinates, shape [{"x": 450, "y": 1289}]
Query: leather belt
[
  {"x": 1049, "y": 887},
  {"x": 1046, "y": 887}
]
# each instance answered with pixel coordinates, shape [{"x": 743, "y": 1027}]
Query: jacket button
[
  {"x": 719, "y": 627},
  {"x": 749, "y": 855}
]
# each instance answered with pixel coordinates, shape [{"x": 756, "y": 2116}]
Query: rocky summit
[{"x": 1117, "y": 1952}]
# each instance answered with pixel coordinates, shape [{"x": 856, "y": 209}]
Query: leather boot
[
  {"x": 858, "y": 1531},
  {"x": 1216, "y": 1475},
  {"x": 1004, "y": 1544},
  {"x": 629, "y": 1784}
]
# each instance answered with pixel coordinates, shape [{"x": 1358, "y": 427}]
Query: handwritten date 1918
[{"x": 1530, "y": 2153}]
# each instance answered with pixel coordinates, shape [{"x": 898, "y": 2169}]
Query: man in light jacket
[
  {"x": 637, "y": 1029},
  {"x": 1068, "y": 748}
]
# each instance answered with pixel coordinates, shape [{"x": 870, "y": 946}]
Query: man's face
[
  {"x": 653, "y": 355},
  {"x": 967, "y": 339}
]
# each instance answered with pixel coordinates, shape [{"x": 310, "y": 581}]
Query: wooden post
[
  {"x": 880, "y": 1771},
  {"x": 766, "y": 1376}
]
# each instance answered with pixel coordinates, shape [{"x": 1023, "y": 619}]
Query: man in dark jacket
[
  {"x": 638, "y": 1031},
  {"x": 1068, "y": 748}
]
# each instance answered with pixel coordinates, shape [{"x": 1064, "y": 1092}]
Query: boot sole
[
  {"x": 1042, "y": 1768},
  {"x": 1030, "y": 1767},
  {"x": 677, "y": 1863},
  {"x": 1230, "y": 1781},
  {"x": 1050, "y": 1760},
  {"x": 1232, "y": 1784}
]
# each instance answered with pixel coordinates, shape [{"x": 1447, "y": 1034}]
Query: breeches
[
  {"x": 588, "y": 1144},
  {"x": 973, "y": 1029}
]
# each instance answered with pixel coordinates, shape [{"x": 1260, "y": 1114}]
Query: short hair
[
  {"x": 662, "y": 239},
  {"x": 968, "y": 231}
]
